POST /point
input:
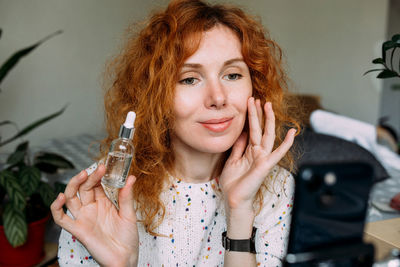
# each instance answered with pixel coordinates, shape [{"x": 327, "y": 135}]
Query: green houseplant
[
  {"x": 24, "y": 196},
  {"x": 390, "y": 62},
  {"x": 390, "y": 69}
]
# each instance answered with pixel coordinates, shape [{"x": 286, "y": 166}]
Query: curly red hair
[{"x": 143, "y": 79}]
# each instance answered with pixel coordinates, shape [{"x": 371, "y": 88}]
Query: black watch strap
[{"x": 241, "y": 245}]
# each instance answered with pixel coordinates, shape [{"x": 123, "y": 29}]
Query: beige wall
[{"x": 328, "y": 43}]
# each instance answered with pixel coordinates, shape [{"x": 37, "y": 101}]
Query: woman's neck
[{"x": 194, "y": 166}]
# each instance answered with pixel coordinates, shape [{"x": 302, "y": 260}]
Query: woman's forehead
[{"x": 220, "y": 42}]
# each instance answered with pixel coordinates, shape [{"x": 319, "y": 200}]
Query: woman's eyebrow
[
  {"x": 233, "y": 60},
  {"x": 192, "y": 65},
  {"x": 199, "y": 66}
]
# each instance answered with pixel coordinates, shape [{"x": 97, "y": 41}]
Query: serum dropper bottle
[{"x": 119, "y": 160}]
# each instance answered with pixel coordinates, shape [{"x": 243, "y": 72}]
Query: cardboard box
[{"x": 384, "y": 235}]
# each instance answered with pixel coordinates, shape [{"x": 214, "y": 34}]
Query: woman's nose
[{"x": 216, "y": 97}]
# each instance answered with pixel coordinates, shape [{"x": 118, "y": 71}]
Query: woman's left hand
[{"x": 249, "y": 164}]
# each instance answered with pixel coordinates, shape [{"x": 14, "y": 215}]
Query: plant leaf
[
  {"x": 6, "y": 122},
  {"x": 47, "y": 193},
  {"x": 30, "y": 178},
  {"x": 387, "y": 74},
  {"x": 51, "y": 162},
  {"x": 19, "y": 154},
  {"x": 396, "y": 38},
  {"x": 15, "y": 58},
  {"x": 373, "y": 70},
  {"x": 386, "y": 46},
  {"x": 15, "y": 226},
  {"x": 59, "y": 187},
  {"x": 23, "y": 146},
  {"x": 10, "y": 183},
  {"x": 34, "y": 125},
  {"x": 16, "y": 157},
  {"x": 2, "y": 195},
  {"x": 378, "y": 61}
]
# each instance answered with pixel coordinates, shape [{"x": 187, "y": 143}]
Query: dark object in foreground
[
  {"x": 331, "y": 201},
  {"x": 316, "y": 148}
]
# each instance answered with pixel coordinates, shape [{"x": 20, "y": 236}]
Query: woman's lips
[{"x": 217, "y": 125}]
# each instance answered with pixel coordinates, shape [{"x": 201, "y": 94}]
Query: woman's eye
[
  {"x": 188, "y": 81},
  {"x": 233, "y": 76}
]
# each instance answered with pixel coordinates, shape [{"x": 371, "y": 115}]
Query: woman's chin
[{"x": 216, "y": 148}]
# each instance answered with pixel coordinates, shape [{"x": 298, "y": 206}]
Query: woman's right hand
[{"x": 111, "y": 236}]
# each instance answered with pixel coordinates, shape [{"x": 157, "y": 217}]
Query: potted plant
[
  {"x": 25, "y": 196},
  {"x": 390, "y": 63}
]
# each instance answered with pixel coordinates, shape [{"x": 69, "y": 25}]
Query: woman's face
[{"x": 211, "y": 95}]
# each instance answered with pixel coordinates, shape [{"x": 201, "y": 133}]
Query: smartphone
[{"x": 329, "y": 211}]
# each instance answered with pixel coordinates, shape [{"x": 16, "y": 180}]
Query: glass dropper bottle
[{"x": 119, "y": 160}]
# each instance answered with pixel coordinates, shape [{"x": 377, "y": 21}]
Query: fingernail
[
  {"x": 100, "y": 166},
  {"x": 129, "y": 181},
  {"x": 81, "y": 174}
]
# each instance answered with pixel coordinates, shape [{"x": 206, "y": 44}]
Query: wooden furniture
[{"x": 384, "y": 235}]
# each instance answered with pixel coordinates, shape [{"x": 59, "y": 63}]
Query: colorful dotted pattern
[{"x": 193, "y": 224}]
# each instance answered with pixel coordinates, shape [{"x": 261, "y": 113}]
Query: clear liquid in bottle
[{"x": 117, "y": 169}]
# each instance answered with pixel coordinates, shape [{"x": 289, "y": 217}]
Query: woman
[{"x": 203, "y": 81}]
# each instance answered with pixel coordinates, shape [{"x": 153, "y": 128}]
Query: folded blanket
[{"x": 359, "y": 132}]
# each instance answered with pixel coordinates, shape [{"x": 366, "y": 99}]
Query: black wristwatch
[{"x": 241, "y": 245}]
